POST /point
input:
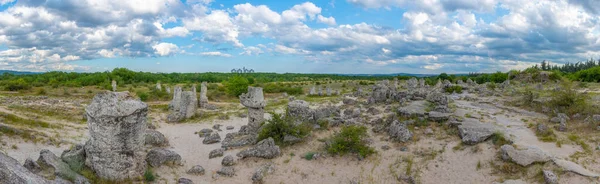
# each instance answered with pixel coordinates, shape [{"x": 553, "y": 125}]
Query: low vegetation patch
[
  {"x": 15, "y": 120},
  {"x": 278, "y": 127},
  {"x": 350, "y": 140},
  {"x": 452, "y": 89}
]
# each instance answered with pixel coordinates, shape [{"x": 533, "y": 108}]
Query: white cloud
[
  {"x": 165, "y": 49},
  {"x": 215, "y": 53},
  {"x": 326, "y": 20},
  {"x": 251, "y": 50},
  {"x": 217, "y": 27},
  {"x": 3, "y": 2}
]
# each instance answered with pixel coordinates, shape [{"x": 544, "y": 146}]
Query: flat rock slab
[
  {"x": 415, "y": 108},
  {"x": 573, "y": 167},
  {"x": 524, "y": 157},
  {"x": 473, "y": 132}
]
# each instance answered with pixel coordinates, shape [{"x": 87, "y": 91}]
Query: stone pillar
[
  {"x": 313, "y": 91},
  {"x": 117, "y": 124},
  {"x": 412, "y": 83},
  {"x": 203, "y": 99},
  {"x": 114, "y": 85},
  {"x": 158, "y": 86},
  {"x": 328, "y": 91},
  {"x": 255, "y": 102},
  {"x": 168, "y": 89},
  {"x": 183, "y": 105},
  {"x": 320, "y": 91}
]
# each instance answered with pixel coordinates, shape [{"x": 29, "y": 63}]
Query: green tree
[{"x": 236, "y": 85}]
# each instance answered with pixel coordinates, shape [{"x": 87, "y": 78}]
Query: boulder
[
  {"x": 227, "y": 171},
  {"x": 205, "y": 132},
  {"x": 53, "y": 165},
  {"x": 438, "y": 116},
  {"x": 159, "y": 156},
  {"x": 196, "y": 170},
  {"x": 184, "y": 181},
  {"x": 575, "y": 168},
  {"x": 326, "y": 111},
  {"x": 300, "y": 111},
  {"x": 261, "y": 172},
  {"x": 74, "y": 157},
  {"x": 263, "y": 149},
  {"x": 290, "y": 139},
  {"x": 228, "y": 161},
  {"x": 524, "y": 157},
  {"x": 155, "y": 138},
  {"x": 399, "y": 132},
  {"x": 203, "y": 102},
  {"x": 349, "y": 100},
  {"x": 550, "y": 177},
  {"x": 381, "y": 92},
  {"x": 212, "y": 138},
  {"x": 229, "y": 128},
  {"x": 216, "y": 153},
  {"x": 438, "y": 98},
  {"x": 32, "y": 166},
  {"x": 472, "y": 133},
  {"x": 11, "y": 172},
  {"x": 117, "y": 125},
  {"x": 236, "y": 139},
  {"x": 183, "y": 105}
]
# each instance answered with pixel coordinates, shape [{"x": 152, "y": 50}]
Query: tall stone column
[
  {"x": 254, "y": 100},
  {"x": 114, "y": 85},
  {"x": 117, "y": 124},
  {"x": 203, "y": 99}
]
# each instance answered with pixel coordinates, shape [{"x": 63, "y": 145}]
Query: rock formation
[
  {"x": 313, "y": 91},
  {"x": 263, "y": 149},
  {"x": 11, "y": 172},
  {"x": 158, "y": 86},
  {"x": 114, "y": 85},
  {"x": 255, "y": 102},
  {"x": 183, "y": 105},
  {"x": 328, "y": 91},
  {"x": 117, "y": 125},
  {"x": 203, "y": 102},
  {"x": 168, "y": 89}
]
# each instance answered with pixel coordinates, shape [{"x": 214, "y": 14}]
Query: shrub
[
  {"x": 143, "y": 95},
  {"x": 350, "y": 140},
  {"x": 309, "y": 155},
  {"x": 568, "y": 100},
  {"x": 41, "y": 91},
  {"x": 499, "y": 139},
  {"x": 16, "y": 85},
  {"x": 278, "y": 127},
  {"x": 451, "y": 89},
  {"x": 149, "y": 175},
  {"x": 236, "y": 85}
]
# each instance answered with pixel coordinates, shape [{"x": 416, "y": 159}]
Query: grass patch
[
  {"x": 350, "y": 140},
  {"x": 15, "y": 120},
  {"x": 149, "y": 175},
  {"x": 309, "y": 155},
  {"x": 278, "y": 127},
  {"x": 499, "y": 139},
  {"x": 546, "y": 136},
  {"x": 579, "y": 142}
]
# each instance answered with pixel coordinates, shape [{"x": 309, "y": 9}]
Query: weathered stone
[
  {"x": 184, "y": 181},
  {"x": 255, "y": 102},
  {"x": 216, "y": 153},
  {"x": 212, "y": 138},
  {"x": 351, "y": 113},
  {"x": 263, "y": 149},
  {"x": 55, "y": 166},
  {"x": 524, "y": 157},
  {"x": 229, "y": 128},
  {"x": 228, "y": 161},
  {"x": 575, "y": 168},
  {"x": 313, "y": 91},
  {"x": 349, "y": 100},
  {"x": 438, "y": 116},
  {"x": 196, "y": 170},
  {"x": 381, "y": 92},
  {"x": 328, "y": 91},
  {"x": 399, "y": 132},
  {"x": 261, "y": 172},
  {"x": 326, "y": 111},
  {"x": 168, "y": 89},
  {"x": 155, "y": 138},
  {"x": 205, "y": 132},
  {"x": 235, "y": 139},
  {"x": 550, "y": 177},
  {"x": 412, "y": 83},
  {"x": 291, "y": 139},
  {"x": 472, "y": 133},
  {"x": 217, "y": 127},
  {"x": 414, "y": 109},
  {"x": 159, "y": 156},
  {"x": 183, "y": 105},
  {"x": 114, "y": 85},
  {"x": 203, "y": 102},
  {"x": 158, "y": 86},
  {"x": 227, "y": 171},
  {"x": 562, "y": 127},
  {"x": 117, "y": 125},
  {"x": 11, "y": 172},
  {"x": 438, "y": 98},
  {"x": 32, "y": 166},
  {"x": 541, "y": 128},
  {"x": 300, "y": 111},
  {"x": 74, "y": 157}
]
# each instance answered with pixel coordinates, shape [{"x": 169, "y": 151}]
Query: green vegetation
[
  {"x": 568, "y": 100},
  {"x": 149, "y": 175},
  {"x": 499, "y": 139},
  {"x": 452, "y": 89},
  {"x": 309, "y": 155},
  {"x": 281, "y": 88},
  {"x": 15, "y": 120},
  {"x": 236, "y": 85},
  {"x": 546, "y": 136},
  {"x": 278, "y": 127},
  {"x": 350, "y": 140}
]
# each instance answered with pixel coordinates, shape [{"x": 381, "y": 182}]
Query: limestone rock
[
  {"x": 205, "y": 132},
  {"x": 229, "y": 127},
  {"x": 381, "y": 92},
  {"x": 155, "y": 138},
  {"x": 32, "y": 166},
  {"x": 74, "y": 157},
  {"x": 438, "y": 116},
  {"x": 263, "y": 149},
  {"x": 254, "y": 100},
  {"x": 196, "y": 170},
  {"x": 412, "y": 83},
  {"x": 512, "y": 182},
  {"x": 438, "y": 98},
  {"x": 184, "y": 181},
  {"x": 228, "y": 161},
  {"x": 261, "y": 172},
  {"x": 216, "y": 153},
  {"x": 159, "y": 156},
  {"x": 291, "y": 139},
  {"x": 326, "y": 111},
  {"x": 226, "y": 171},
  {"x": 114, "y": 85},
  {"x": 51, "y": 163},
  {"x": 399, "y": 132},
  {"x": 11, "y": 172},
  {"x": 236, "y": 139},
  {"x": 183, "y": 105},
  {"x": 573, "y": 167},
  {"x": 300, "y": 111},
  {"x": 550, "y": 177},
  {"x": 117, "y": 125},
  {"x": 524, "y": 157},
  {"x": 472, "y": 133},
  {"x": 212, "y": 138},
  {"x": 313, "y": 91},
  {"x": 203, "y": 102}
]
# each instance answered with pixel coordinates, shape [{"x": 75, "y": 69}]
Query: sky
[{"x": 321, "y": 36}]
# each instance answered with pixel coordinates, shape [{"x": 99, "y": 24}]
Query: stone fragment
[
  {"x": 11, "y": 172},
  {"x": 261, "y": 172},
  {"x": 228, "y": 161},
  {"x": 263, "y": 149},
  {"x": 196, "y": 170},
  {"x": 227, "y": 171},
  {"x": 399, "y": 132},
  {"x": 155, "y": 138},
  {"x": 216, "y": 153},
  {"x": 160, "y": 156},
  {"x": 212, "y": 138},
  {"x": 472, "y": 133},
  {"x": 524, "y": 157}
]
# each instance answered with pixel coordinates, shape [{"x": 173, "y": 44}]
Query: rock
[
  {"x": 74, "y": 157},
  {"x": 227, "y": 171},
  {"x": 155, "y": 138},
  {"x": 428, "y": 131},
  {"x": 326, "y": 111},
  {"x": 114, "y": 85},
  {"x": 328, "y": 89},
  {"x": 414, "y": 109},
  {"x": 562, "y": 127},
  {"x": 228, "y": 161},
  {"x": 385, "y": 147},
  {"x": 349, "y": 100},
  {"x": 217, "y": 127},
  {"x": 254, "y": 100},
  {"x": 596, "y": 118},
  {"x": 51, "y": 163},
  {"x": 524, "y": 157},
  {"x": 229, "y": 127},
  {"x": 313, "y": 91},
  {"x": 184, "y": 181},
  {"x": 373, "y": 111},
  {"x": 472, "y": 133},
  {"x": 438, "y": 116},
  {"x": 237, "y": 139},
  {"x": 381, "y": 92},
  {"x": 412, "y": 83},
  {"x": 263, "y": 149},
  {"x": 438, "y": 98},
  {"x": 351, "y": 113},
  {"x": 159, "y": 156},
  {"x": 203, "y": 102},
  {"x": 399, "y": 132},
  {"x": 300, "y": 111},
  {"x": 541, "y": 128},
  {"x": 205, "y": 132},
  {"x": 11, "y": 172},
  {"x": 216, "y": 153},
  {"x": 291, "y": 139},
  {"x": 550, "y": 177},
  {"x": 183, "y": 105},
  {"x": 573, "y": 167},
  {"x": 212, "y": 138},
  {"x": 117, "y": 125},
  {"x": 196, "y": 170},
  {"x": 32, "y": 166},
  {"x": 261, "y": 172}
]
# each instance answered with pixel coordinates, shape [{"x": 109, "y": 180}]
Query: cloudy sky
[{"x": 328, "y": 36}]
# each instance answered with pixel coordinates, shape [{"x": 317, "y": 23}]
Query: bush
[
  {"x": 41, "y": 91},
  {"x": 17, "y": 85},
  {"x": 350, "y": 140},
  {"x": 143, "y": 95},
  {"x": 278, "y": 88},
  {"x": 568, "y": 100},
  {"x": 455, "y": 88},
  {"x": 149, "y": 175},
  {"x": 236, "y": 85},
  {"x": 278, "y": 127}
]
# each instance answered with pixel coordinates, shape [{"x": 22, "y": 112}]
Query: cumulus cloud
[
  {"x": 165, "y": 49},
  {"x": 326, "y": 20},
  {"x": 215, "y": 53}
]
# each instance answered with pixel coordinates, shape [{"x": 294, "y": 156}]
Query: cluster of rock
[
  {"x": 314, "y": 91},
  {"x": 183, "y": 105}
]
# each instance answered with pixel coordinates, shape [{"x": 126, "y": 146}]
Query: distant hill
[{"x": 17, "y": 72}]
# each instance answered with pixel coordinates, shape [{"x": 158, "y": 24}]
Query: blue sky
[{"x": 326, "y": 36}]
